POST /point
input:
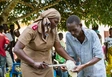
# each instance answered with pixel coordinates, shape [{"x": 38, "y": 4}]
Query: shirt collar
[{"x": 85, "y": 33}]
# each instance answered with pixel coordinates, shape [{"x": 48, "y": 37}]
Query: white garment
[
  {"x": 8, "y": 35},
  {"x": 109, "y": 41}
]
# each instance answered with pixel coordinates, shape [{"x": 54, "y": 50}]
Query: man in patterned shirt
[{"x": 85, "y": 44}]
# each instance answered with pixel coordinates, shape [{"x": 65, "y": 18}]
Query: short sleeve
[
  {"x": 69, "y": 49},
  {"x": 26, "y": 36}
]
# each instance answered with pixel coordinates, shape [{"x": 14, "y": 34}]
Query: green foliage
[{"x": 92, "y": 11}]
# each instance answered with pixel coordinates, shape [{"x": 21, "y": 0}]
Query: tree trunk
[{"x": 8, "y": 9}]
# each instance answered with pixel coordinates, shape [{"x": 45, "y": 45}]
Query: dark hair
[
  {"x": 60, "y": 34},
  {"x": 1, "y": 20},
  {"x": 73, "y": 18},
  {"x": 110, "y": 29},
  {"x": 11, "y": 25},
  {"x": 95, "y": 27},
  {"x": 1, "y": 27}
]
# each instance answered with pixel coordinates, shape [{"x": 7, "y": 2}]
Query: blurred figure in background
[
  {"x": 95, "y": 28},
  {"x": 3, "y": 40},
  {"x": 108, "y": 44},
  {"x": 9, "y": 60},
  {"x": 60, "y": 59},
  {"x": 14, "y": 32}
]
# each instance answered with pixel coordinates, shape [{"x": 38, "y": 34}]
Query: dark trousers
[{"x": 2, "y": 65}]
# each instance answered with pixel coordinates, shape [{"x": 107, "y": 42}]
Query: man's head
[
  {"x": 95, "y": 28},
  {"x": 1, "y": 28},
  {"x": 5, "y": 26},
  {"x": 74, "y": 25},
  {"x": 12, "y": 27},
  {"x": 1, "y": 20},
  {"x": 60, "y": 36},
  {"x": 110, "y": 31}
]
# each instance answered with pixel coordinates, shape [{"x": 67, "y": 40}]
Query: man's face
[
  {"x": 110, "y": 32},
  {"x": 5, "y": 27},
  {"x": 74, "y": 29}
]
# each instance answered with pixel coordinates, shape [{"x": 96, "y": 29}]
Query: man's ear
[{"x": 80, "y": 24}]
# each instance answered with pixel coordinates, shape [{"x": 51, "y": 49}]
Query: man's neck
[
  {"x": 81, "y": 37},
  {"x": 110, "y": 36}
]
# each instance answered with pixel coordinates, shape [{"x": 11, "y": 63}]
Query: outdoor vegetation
[{"x": 91, "y": 11}]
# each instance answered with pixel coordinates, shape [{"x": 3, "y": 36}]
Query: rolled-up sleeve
[
  {"x": 97, "y": 48},
  {"x": 69, "y": 49}
]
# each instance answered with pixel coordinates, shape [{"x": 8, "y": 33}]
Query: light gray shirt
[{"x": 90, "y": 48}]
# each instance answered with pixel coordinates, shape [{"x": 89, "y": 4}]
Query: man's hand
[
  {"x": 63, "y": 68},
  {"x": 78, "y": 68}
]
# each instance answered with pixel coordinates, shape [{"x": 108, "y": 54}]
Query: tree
[{"x": 92, "y": 11}]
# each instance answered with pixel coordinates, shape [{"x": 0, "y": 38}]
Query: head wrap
[{"x": 44, "y": 17}]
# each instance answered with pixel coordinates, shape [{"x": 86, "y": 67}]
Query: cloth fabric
[
  {"x": 8, "y": 59},
  {"x": 109, "y": 53},
  {"x": 108, "y": 40},
  {"x": 2, "y": 65},
  {"x": 44, "y": 18},
  {"x": 8, "y": 35},
  {"x": 91, "y": 47},
  {"x": 8, "y": 56},
  {"x": 32, "y": 72},
  {"x": 3, "y": 40},
  {"x": 38, "y": 48}
]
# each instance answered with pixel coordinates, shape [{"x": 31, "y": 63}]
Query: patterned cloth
[
  {"x": 108, "y": 40},
  {"x": 44, "y": 18}
]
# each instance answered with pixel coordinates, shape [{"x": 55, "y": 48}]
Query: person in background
[
  {"x": 95, "y": 28},
  {"x": 85, "y": 44},
  {"x": 34, "y": 45},
  {"x": 60, "y": 59},
  {"x": 3, "y": 40},
  {"x": 108, "y": 44},
  {"x": 9, "y": 59},
  {"x": 8, "y": 47},
  {"x": 14, "y": 32}
]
